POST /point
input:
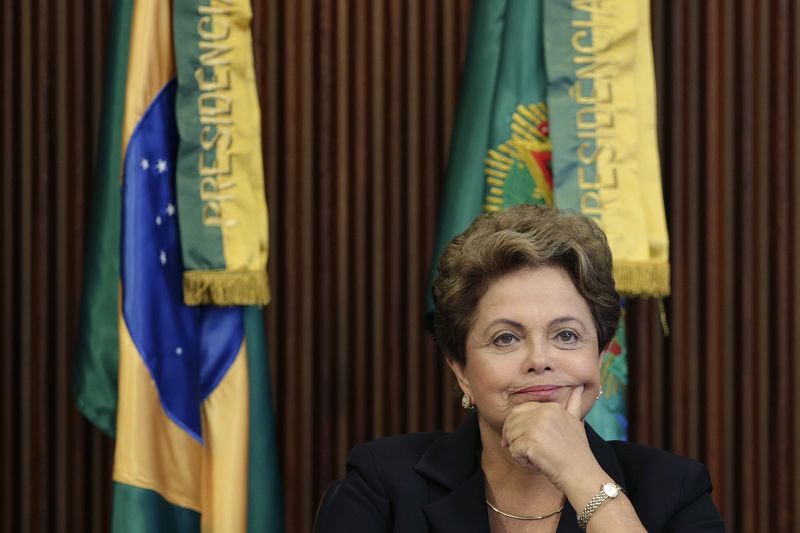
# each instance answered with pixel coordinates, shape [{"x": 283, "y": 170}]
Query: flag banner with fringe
[
  {"x": 520, "y": 136},
  {"x": 184, "y": 391},
  {"x": 601, "y": 95},
  {"x": 221, "y": 207}
]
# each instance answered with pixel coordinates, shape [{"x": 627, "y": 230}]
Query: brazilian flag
[
  {"x": 557, "y": 107},
  {"x": 184, "y": 391}
]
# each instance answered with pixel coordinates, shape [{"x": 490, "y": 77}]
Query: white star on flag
[
  {"x": 163, "y": 257},
  {"x": 179, "y": 350},
  {"x": 161, "y": 166},
  {"x": 145, "y": 164},
  {"x": 158, "y": 220},
  {"x": 170, "y": 209}
]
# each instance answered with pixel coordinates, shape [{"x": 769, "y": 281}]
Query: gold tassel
[
  {"x": 663, "y": 314},
  {"x": 642, "y": 278},
  {"x": 218, "y": 287}
]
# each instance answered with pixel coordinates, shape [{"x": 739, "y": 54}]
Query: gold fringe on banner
[
  {"x": 211, "y": 287},
  {"x": 642, "y": 278}
]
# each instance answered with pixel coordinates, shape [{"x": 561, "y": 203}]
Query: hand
[{"x": 551, "y": 439}]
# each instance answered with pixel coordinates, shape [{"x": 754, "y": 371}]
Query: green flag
[{"x": 501, "y": 152}]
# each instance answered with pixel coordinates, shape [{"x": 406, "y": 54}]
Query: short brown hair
[{"x": 519, "y": 237}]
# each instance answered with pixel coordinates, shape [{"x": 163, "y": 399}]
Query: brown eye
[
  {"x": 505, "y": 339},
  {"x": 567, "y": 336}
]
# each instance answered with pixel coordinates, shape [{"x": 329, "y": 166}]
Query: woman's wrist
[{"x": 583, "y": 486}]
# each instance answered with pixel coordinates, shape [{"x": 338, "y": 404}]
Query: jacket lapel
[
  {"x": 452, "y": 463},
  {"x": 462, "y": 510}
]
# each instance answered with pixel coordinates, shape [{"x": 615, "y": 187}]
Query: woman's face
[{"x": 533, "y": 340}]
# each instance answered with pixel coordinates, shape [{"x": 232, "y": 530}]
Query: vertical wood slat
[
  {"x": 750, "y": 470},
  {"x": 30, "y": 477},
  {"x": 357, "y": 101},
  {"x": 9, "y": 495},
  {"x": 325, "y": 361},
  {"x": 743, "y": 231},
  {"x": 677, "y": 163},
  {"x": 342, "y": 293},
  {"x": 794, "y": 144},
  {"x": 411, "y": 214},
  {"x": 48, "y": 137},
  {"x": 307, "y": 208},
  {"x": 779, "y": 156},
  {"x": 382, "y": 87},
  {"x": 360, "y": 276},
  {"x": 693, "y": 129},
  {"x": 761, "y": 297},
  {"x": 716, "y": 265},
  {"x": 62, "y": 414}
]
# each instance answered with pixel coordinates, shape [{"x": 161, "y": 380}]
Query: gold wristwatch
[{"x": 609, "y": 491}]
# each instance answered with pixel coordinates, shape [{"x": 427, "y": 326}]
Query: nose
[{"x": 537, "y": 356}]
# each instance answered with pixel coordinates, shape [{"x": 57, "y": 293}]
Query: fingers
[{"x": 574, "y": 402}]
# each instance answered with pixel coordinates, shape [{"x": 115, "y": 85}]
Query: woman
[{"x": 525, "y": 308}]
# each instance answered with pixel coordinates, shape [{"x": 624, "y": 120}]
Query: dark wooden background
[{"x": 358, "y": 97}]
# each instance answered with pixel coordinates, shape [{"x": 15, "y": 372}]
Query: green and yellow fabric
[
  {"x": 557, "y": 107},
  {"x": 220, "y": 180},
  {"x": 183, "y": 390}
]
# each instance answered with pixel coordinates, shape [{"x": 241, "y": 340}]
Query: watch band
[{"x": 608, "y": 491}]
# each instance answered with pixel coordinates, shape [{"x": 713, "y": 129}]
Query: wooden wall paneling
[
  {"x": 676, "y": 165},
  {"x": 9, "y": 493},
  {"x": 732, "y": 272},
  {"x": 449, "y": 39},
  {"x": 48, "y": 136},
  {"x": 724, "y": 468},
  {"x": 388, "y": 206},
  {"x": 355, "y": 146},
  {"x": 750, "y": 467},
  {"x": 342, "y": 321},
  {"x": 781, "y": 370},
  {"x": 430, "y": 151},
  {"x": 324, "y": 360},
  {"x": 735, "y": 239},
  {"x": 649, "y": 366},
  {"x": 305, "y": 209},
  {"x": 714, "y": 261},
  {"x": 693, "y": 347},
  {"x": 360, "y": 276},
  {"x": 762, "y": 274},
  {"x": 62, "y": 197},
  {"x": 646, "y": 371},
  {"x": 29, "y": 477},
  {"x": 794, "y": 146},
  {"x": 383, "y": 104},
  {"x": 412, "y": 254}
]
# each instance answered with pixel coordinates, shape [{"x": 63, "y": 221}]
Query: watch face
[{"x": 611, "y": 490}]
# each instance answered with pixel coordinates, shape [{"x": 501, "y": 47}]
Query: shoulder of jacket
[
  {"x": 644, "y": 465},
  {"x": 397, "y": 451},
  {"x": 645, "y": 455}
]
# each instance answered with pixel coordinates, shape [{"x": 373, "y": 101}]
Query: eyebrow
[
  {"x": 563, "y": 319},
  {"x": 556, "y": 321},
  {"x": 507, "y": 321}
]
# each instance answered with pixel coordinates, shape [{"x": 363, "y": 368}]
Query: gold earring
[
  {"x": 466, "y": 402},
  {"x": 599, "y": 393}
]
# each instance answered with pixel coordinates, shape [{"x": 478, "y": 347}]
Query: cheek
[
  {"x": 586, "y": 370},
  {"x": 491, "y": 378}
]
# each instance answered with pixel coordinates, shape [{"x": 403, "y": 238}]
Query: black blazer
[{"x": 426, "y": 482}]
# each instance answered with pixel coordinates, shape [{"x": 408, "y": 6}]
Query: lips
[{"x": 540, "y": 392}]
